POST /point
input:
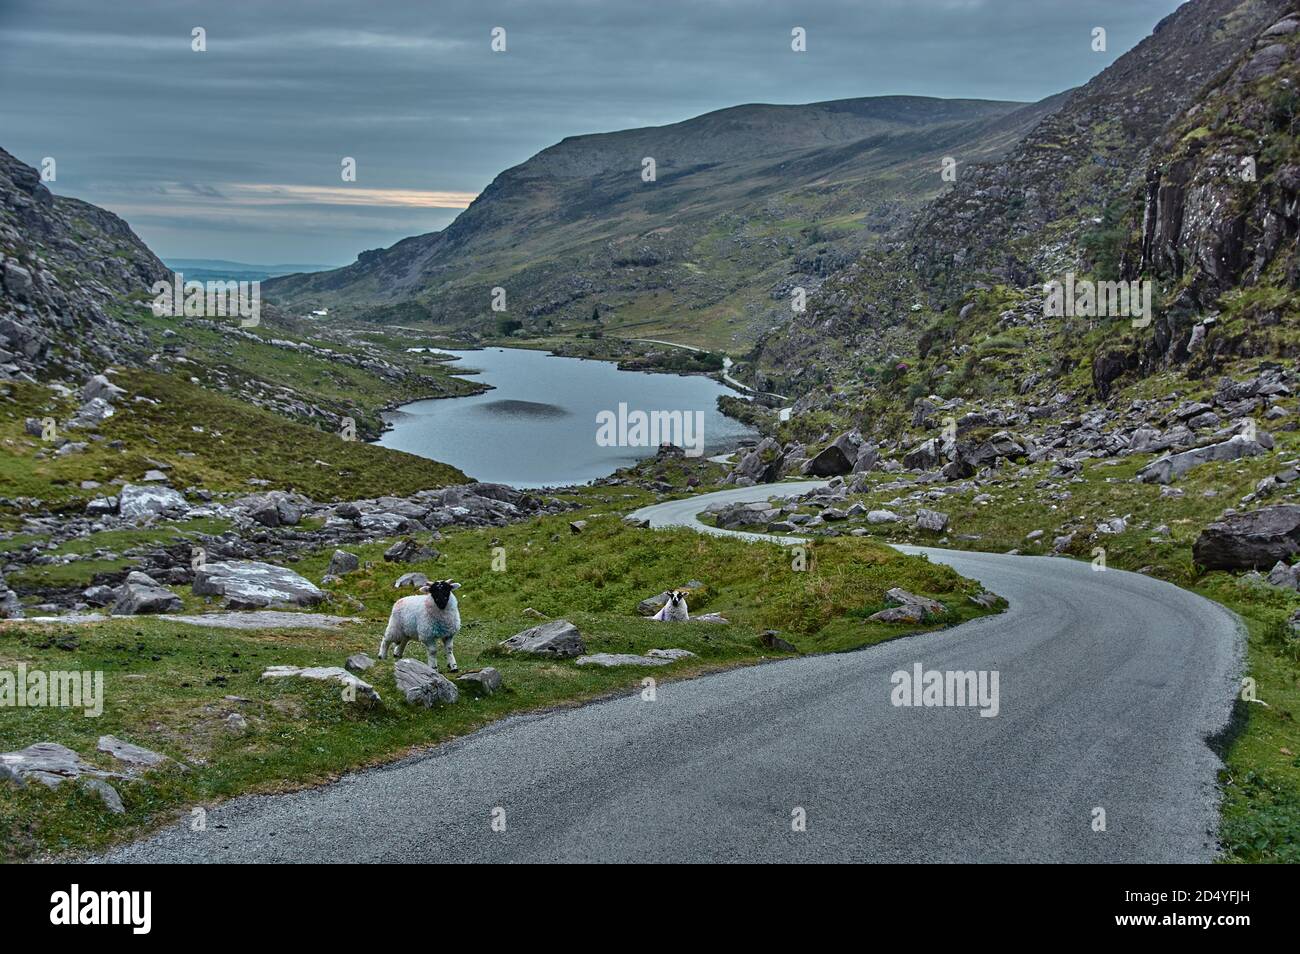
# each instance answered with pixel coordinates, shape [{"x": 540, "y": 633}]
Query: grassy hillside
[
  {"x": 207, "y": 439},
  {"x": 746, "y": 203}
]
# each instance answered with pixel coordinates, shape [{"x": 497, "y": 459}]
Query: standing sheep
[{"x": 431, "y": 616}]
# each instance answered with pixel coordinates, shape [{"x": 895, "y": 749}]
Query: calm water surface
[{"x": 537, "y": 427}]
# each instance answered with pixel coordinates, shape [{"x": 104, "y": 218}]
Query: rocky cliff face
[
  {"x": 1070, "y": 197},
  {"x": 1007, "y": 221},
  {"x": 1221, "y": 211},
  {"x": 65, "y": 265}
]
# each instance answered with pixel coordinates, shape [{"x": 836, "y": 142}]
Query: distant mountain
[
  {"x": 220, "y": 269},
  {"x": 746, "y": 203}
]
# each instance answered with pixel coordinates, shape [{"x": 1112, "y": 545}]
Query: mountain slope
[
  {"x": 63, "y": 264},
  {"x": 747, "y": 202},
  {"x": 1057, "y": 203}
]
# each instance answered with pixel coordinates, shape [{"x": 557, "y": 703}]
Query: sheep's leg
[
  {"x": 451, "y": 656},
  {"x": 432, "y": 648}
]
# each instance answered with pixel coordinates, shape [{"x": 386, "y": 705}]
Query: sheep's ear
[
  {"x": 425, "y": 588},
  {"x": 454, "y": 586}
]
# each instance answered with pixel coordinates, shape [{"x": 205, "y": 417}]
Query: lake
[{"x": 539, "y": 426}]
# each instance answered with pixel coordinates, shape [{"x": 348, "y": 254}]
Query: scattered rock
[
  {"x": 558, "y": 638},
  {"x": 422, "y": 684},
  {"x": 407, "y": 550},
  {"x": 48, "y": 761},
  {"x": 1168, "y": 468},
  {"x": 128, "y": 753},
  {"x": 1285, "y": 575},
  {"x": 343, "y": 562},
  {"x": 359, "y": 662},
  {"x": 609, "y": 660},
  {"x": 359, "y": 688},
  {"x": 106, "y": 793},
  {"x": 138, "y": 597},
  {"x": 931, "y": 520},
  {"x": 670, "y": 653},
  {"x": 135, "y": 502},
  {"x": 486, "y": 680},
  {"x": 772, "y": 640}
]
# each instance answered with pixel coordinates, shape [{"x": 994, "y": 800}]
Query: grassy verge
[{"x": 169, "y": 686}]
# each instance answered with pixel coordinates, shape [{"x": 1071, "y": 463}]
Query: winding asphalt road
[{"x": 1109, "y": 683}]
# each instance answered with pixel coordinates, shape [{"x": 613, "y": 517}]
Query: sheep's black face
[
  {"x": 440, "y": 590},
  {"x": 675, "y": 597}
]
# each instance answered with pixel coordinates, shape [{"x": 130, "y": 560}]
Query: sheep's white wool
[
  {"x": 675, "y": 610},
  {"x": 420, "y": 617}
]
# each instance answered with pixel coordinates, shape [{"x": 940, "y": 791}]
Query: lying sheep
[
  {"x": 430, "y": 616},
  {"x": 675, "y": 610}
]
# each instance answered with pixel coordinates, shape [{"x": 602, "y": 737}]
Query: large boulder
[
  {"x": 343, "y": 562},
  {"x": 838, "y": 458},
  {"x": 762, "y": 465},
  {"x": 137, "y": 501},
  {"x": 1170, "y": 467},
  {"x": 1254, "y": 540},
  {"x": 931, "y": 520},
  {"x": 141, "y": 594},
  {"x": 559, "y": 638},
  {"x": 272, "y": 509},
  {"x": 248, "y": 584},
  {"x": 100, "y": 386},
  {"x": 423, "y": 685},
  {"x": 923, "y": 456}
]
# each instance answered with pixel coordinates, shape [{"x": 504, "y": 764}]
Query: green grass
[
  {"x": 167, "y": 682},
  {"x": 210, "y": 440}
]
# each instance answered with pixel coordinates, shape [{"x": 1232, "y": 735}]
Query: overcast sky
[{"x": 235, "y": 152}]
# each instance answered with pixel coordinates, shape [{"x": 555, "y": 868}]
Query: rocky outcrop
[
  {"x": 63, "y": 264},
  {"x": 1254, "y": 540},
  {"x": 248, "y": 584},
  {"x": 143, "y": 594},
  {"x": 1164, "y": 470},
  {"x": 137, "y": 501}
]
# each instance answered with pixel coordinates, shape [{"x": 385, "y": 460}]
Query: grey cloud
[{"x": 414, "y": 93}]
